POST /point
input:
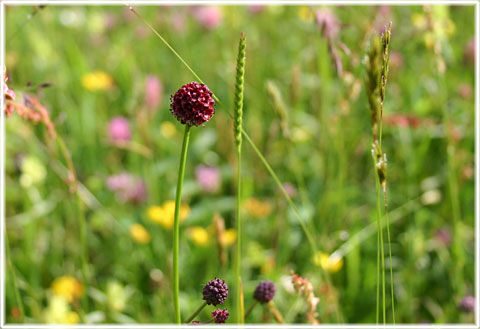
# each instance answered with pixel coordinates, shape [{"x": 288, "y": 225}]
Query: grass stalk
[
  {"x": 238, "y": 118},
  {"x": 176, "y": 226}
]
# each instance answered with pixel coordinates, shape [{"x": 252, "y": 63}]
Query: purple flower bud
[
  {"x": 208, "y": 178},
  {"x": 215, "y": 292},
  {"x": 119, "y": 130},
  {"x": 220, "y": 316},
  {"x": 265, "y": 291},
  {"x": 193, "y": 104},
  {"x": 467, "y": 304},
  {"x": 153, "y": 92}
]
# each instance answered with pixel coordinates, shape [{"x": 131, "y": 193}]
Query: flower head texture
[
  {"x": 215, "y": 292},
  {"x": 119, "y": 130},
  {"x": 265, "y": 292},
  {"x": 220, "y": 316},
  {"x": 193, "y": 104}
]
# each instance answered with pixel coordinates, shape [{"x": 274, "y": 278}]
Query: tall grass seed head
[
  {"x": 193, "y": 104},
  {"x": 215, "y": 292},
  {"x": 265, "y": 292}
]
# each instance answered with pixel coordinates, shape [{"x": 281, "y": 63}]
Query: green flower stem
[
  {"x": 190, "y": 319},
  {"x": 176, "y": 226},
  {"x": 238, "y": 258},
  {"x": 250, "y": 309}
]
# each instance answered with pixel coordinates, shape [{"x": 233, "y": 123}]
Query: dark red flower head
[
  {"x": 220, "y": 316},
  {"x": 265, "y": 291},
  {"x": 193, "y": 104},
  {"x": 215, "y": 292}
]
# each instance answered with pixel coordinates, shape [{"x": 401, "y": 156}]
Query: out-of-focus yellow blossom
[
  {"x": 199, "y": 236},
  {"x": 33, "y": 172},
  {"x": 257, "y": 208},
  {"x": 58, "y": 312},
  {"x": 139, "y": 233},
  {"x": 229, "y": 237},
  {"x": 331, "y": 264},
  {"x": 67, "y": 287},
  {"x": 301, "y": 135},
  {"x": 97, "y": 80},
  {"x": 116, "y": 296},
  {"x": 306, "y": 14},
  {"x": 419, "y": 21},
  {"x": 164, "y": 214},
  {"x": 268, "y": 266},
  {"x": 168, "y": 129}
]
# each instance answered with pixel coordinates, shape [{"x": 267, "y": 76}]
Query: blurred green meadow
[{"x": 106, "y": 82}]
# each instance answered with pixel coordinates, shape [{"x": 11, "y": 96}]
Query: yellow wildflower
[
  {"x": 199, "y": 236},
  {"x": 67, "y": 287},
  {"x": 116, "y": 296},
  {"x": 58, "y": 312},
  {"x": 168, "y": 129},
  {"x": 306, "y": 14},
  {"x": 33, "y": 172},
  {"x": 229, "y": 237},
  {"x": 331, "y": 263},
  {"x": 97, "y": 80},
  {"x": 164, "y": 215},
  {"x": 139, "y": 233},
  {"x": 257, "y": 208}
]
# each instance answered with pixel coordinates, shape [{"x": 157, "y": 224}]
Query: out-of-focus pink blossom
[
  {"x": 153, "y": 92},
  {"x": 128, "y": 188},
  {"x": 467, "y": 304},
  {"x": 443, "y": 236},
  {"x": 9, "y": 94},
  {"x": 178, "y": 21},
  {"x": 255, "y": 9},
  {"x": 208, "y": 178},
  {"x": 119, "y": 130},
  {"x": 396, "y": 60},
  {"x": 209, "y": 17},
  {"x": 402, "y": 120},
  {"x": 327, "y": 22},
  {"x": 290, "y": 189},
  {"x": 383, "y": 18},
  {"x": 470, "y": 51},
  {"x": 465, "y": 90}
]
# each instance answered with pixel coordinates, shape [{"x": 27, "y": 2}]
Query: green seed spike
[{"x": 238, "y": 106}]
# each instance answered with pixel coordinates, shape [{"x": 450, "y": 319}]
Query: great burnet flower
[
  {"x": 193, "y": 104},
  {"x": 215, "y": 292},
  {"x": 265, "y": 291},
  {"x": 220, "y": 316}
]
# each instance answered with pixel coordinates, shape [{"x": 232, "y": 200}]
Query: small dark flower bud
[
  {"x": 193, "y": 104},
  {"x": 265, "y": 291},
  {"x": 220, "y": 316},
  {"x": 215, "y": 292}
]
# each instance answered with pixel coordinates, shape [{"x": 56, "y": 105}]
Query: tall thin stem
[
  {"x": 382, "y": 252},
  {"x": 176, "y": 226},
  {"x": 190, "y": 319},
  {"x": 238, "y": 258}
]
